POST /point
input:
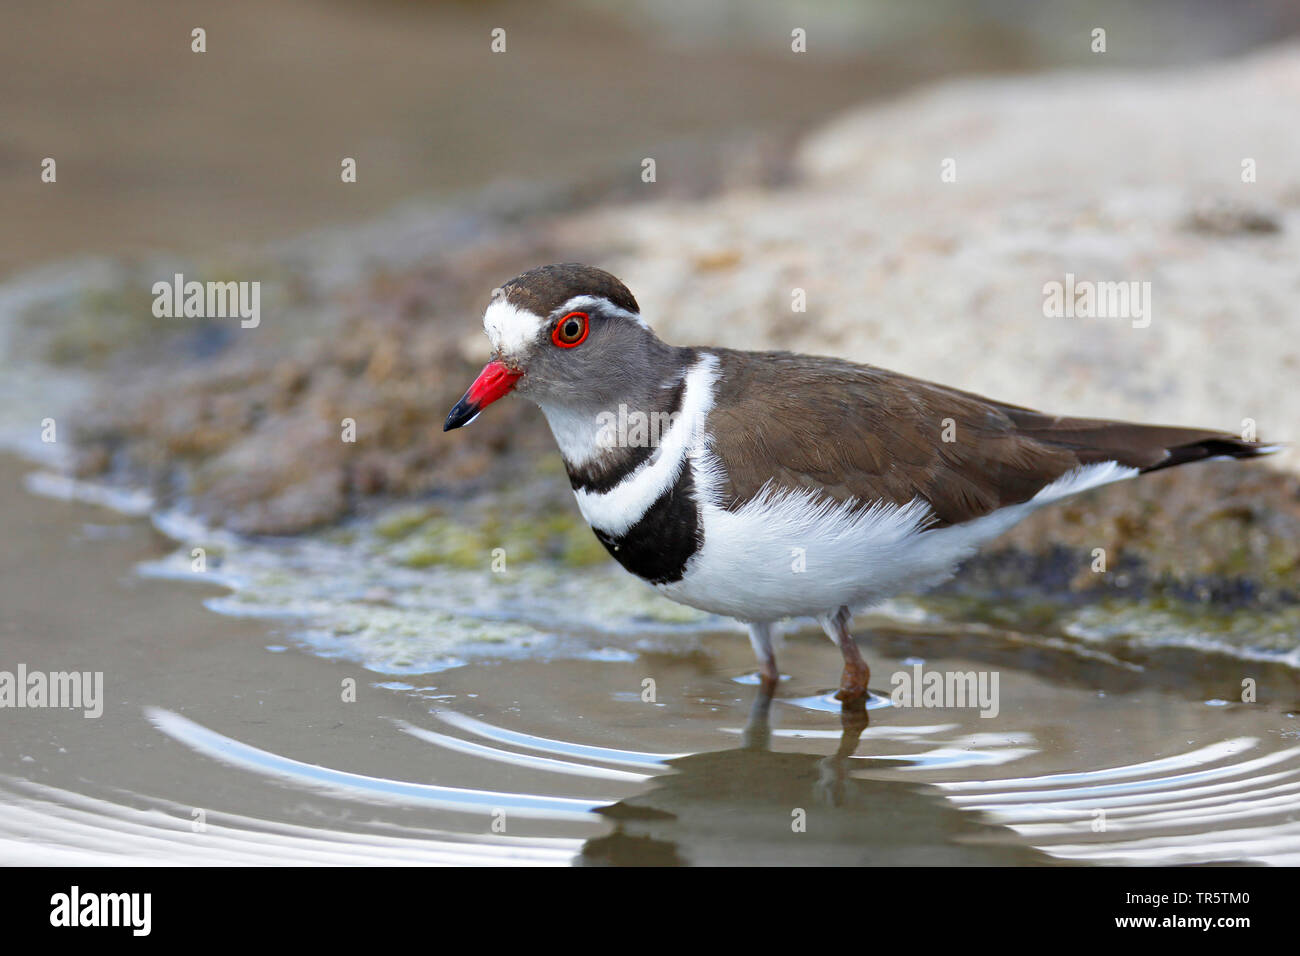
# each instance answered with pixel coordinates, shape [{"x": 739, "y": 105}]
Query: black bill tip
[{"x": 462, "y": 413}]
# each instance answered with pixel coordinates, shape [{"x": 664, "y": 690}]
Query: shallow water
[{"x": 533, "y": 739}]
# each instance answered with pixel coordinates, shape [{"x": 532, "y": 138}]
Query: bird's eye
[{"x": 570, "y": 330}]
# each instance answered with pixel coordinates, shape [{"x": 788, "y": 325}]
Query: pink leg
[
  {"x": 760, "y": 636},
  {"x": 853, "y": 682}
]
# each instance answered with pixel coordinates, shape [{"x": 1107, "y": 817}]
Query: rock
[{"x": 1097, "y": 175}]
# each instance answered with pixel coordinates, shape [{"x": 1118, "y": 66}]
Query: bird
[{"x": 766, "y": 485}]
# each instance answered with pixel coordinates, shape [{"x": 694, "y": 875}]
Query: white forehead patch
[
  {"x": 582, "y": 303},
  {"x": 511, "y": 330}
]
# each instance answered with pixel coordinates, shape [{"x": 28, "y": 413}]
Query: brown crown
[{"x": 543, "y": 290}]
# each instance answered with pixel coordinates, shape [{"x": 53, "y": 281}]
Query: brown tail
[
  {"x": 1217, "y": 446},
  {"x": 1145, "y": 447}
]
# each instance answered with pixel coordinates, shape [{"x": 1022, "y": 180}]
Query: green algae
[
  {"x": 1140, "y": 622},
  {"x": 485, "y": 537},
  {"x": 445, "y": 543},
  {"x": 87, "y": 328},
  {"x": 1166, "y": 622}
]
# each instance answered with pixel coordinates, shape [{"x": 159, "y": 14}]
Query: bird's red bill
[{"x": 493, "y": 382}]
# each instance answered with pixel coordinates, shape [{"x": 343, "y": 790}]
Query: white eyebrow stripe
[
  {"x": 511, "y": 330},
  {"x": 583, "y": 302}
]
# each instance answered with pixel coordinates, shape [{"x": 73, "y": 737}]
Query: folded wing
[{"x": 848, "y": 431}]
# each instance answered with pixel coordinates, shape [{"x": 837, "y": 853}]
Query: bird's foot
[{"x": 853, "y": 686}]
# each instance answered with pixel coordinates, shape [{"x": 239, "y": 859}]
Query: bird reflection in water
[{"x": 755, "y": 806}]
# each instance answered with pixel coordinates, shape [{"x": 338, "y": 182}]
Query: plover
[{"x": 769, "y": 485}]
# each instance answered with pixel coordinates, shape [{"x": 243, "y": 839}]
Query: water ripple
[
  {"x": 1228, "y": 801},
  {"x": 360, "y": 786},
  {"x": 47, "y": 826}
]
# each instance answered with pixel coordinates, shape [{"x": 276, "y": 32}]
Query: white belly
[{"x": 784, "y": 555}]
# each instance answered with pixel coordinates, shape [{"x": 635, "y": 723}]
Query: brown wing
[{"x": 850, "y": 431}]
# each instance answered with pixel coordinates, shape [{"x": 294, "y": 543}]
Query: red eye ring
[{"x": 575, "y": 339}]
